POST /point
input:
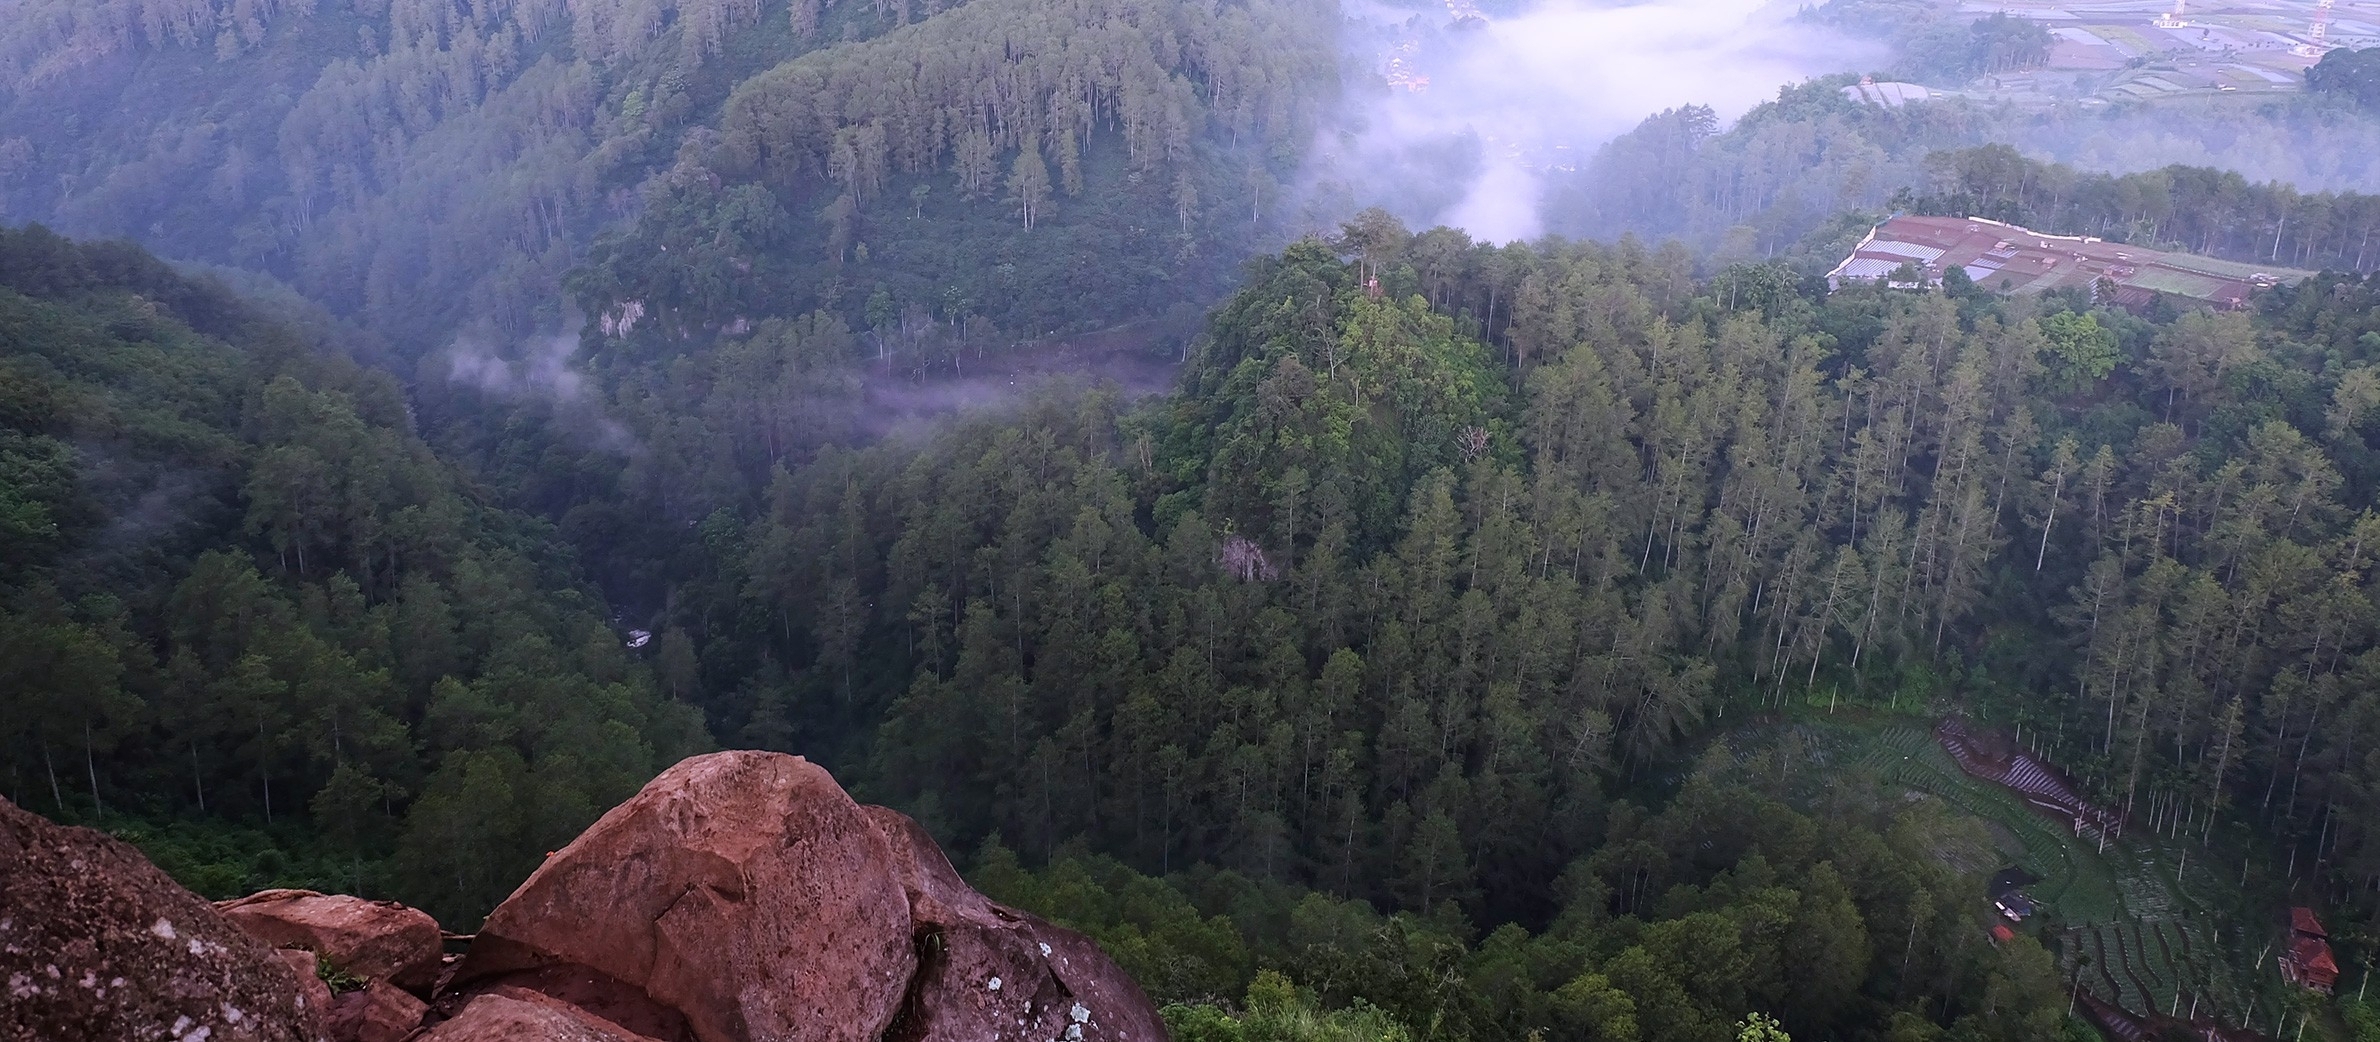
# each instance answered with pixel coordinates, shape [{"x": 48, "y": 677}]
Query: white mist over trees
[{"x": 1527, "y": 94}]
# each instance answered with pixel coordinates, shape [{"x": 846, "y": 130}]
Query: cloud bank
[
  {"x": 541, "y": 368},
  {"x": 1516, "y": 97}
]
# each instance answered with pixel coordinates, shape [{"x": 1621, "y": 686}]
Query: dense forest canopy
[
  {"x": 1371, "y": 615},
  {"x": 1030, "y": 164},
  {"x": 1371, "y": 592},
  {"x": 237, "y": 582},
  {"x": 414, "y": 163},
  {"x": 1439, "y": 552},
  {"x": 2350, "y": 73}
]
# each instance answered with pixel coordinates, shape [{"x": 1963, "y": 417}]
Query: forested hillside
[
  {"x": 1396, "y": 587},
  {"x": 1440, "y": 557},
  {"x": 1030, "y": 166},
  {"x": 1383, "y": 606},
  {"x": 424, "y": 167},
  {"x": 1779, "y": 181},
  {"x": 412, "y": 163},
  {"x": 1727, "y": 901},
  {"x": 239, "y": 592},
  {"x": 1400, "y": 587}
]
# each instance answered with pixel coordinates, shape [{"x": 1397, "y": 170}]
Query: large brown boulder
[
  {"x": 376, "y": 1012},
  {"x": 623, "y": 1006},
  {"x": 97, "y": 943},
  {"x": 509, "y": 1015},
  {"x": 990, "y": 973},
  {"x": 375, "y": 940},
  {"x": 743, "y": 889}
]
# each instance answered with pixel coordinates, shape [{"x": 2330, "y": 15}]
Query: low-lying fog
[{"x": 1511, "y": 97}]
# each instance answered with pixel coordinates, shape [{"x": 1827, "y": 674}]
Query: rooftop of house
[
  {"x": 1890, "y": 94},
  {"x": 2301, "y": 920},
  {"x": 2014, "y": 905}
]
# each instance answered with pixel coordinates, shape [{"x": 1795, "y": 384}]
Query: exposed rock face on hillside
[
  {"x": 97, "y": 943},
  {"x": 740, "y": 897}
]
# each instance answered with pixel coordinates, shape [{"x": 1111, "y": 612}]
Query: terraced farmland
[{"x": 2146, "y": 922}]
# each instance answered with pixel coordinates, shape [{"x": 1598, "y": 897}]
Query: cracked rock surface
[
  {"x": 375, "y": 940},
  {"x": 743, "y": 889}
]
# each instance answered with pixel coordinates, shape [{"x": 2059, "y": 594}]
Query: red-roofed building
[
  {"x": 2301, "y": 920},
  {"x": 2001, "y": 934},
  {"x": 2307, "y": 962}
]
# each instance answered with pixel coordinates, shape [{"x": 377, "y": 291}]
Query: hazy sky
[{"x": 1578, "y": 73}]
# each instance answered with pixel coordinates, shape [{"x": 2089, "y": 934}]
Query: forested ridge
[
  {"x": 239, "y": 589},
  {"x": 1018, "y": 165},
  {"x": 1382, "y": 607},
  {"x": 432, "y": 168},
  {"x": 1439, "y": 555},
  {"x": 1780, "y": 180},
  {"x": 497, "y": 130},
  {"x": 1398, "y": 593}
]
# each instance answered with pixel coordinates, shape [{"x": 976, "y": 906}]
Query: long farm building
[{"x": 2005, "y": 258}]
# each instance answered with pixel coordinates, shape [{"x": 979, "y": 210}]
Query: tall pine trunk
[
  {"x": 56, "y": 799},
  {"x": 91, "y": 769}
]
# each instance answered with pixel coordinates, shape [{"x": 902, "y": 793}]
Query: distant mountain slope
[
  {"x": 1036, "y": 163},
  {"x": 421, "y": 165}
]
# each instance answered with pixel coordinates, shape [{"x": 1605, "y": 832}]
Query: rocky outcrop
[
  {"x": 373, "y": 940},
  {"x": 394, "y": 950},
  {"x": 990, "y": 972},
  {"x": 748, "y": 893},
  {"x": 96, "y": 942},
  {"x": 739, "y": 897},
  {"x": 1107, "y": 1003},
  {"x": 743, "y": 889},
  {"x": 376, "y": 1012}
]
